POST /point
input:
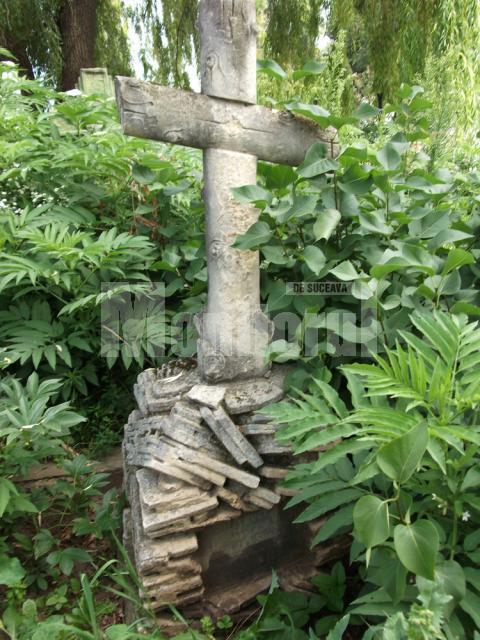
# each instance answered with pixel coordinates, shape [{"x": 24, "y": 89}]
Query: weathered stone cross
[{"x": 233, "y": 131}]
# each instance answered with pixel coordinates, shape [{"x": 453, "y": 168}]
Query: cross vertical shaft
[{"x": 233, "y": 330}]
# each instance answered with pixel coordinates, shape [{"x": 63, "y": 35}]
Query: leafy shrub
[
  {"x": 46, "y": 527},
  {"x": 81, "y": 205},
  {"x": 397, "y": 231},
  {"x": 409, "y": 493},
  {"x": 31, "y": 432}
]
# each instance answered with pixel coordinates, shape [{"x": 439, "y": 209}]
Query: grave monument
[{"x": 203, "y": 471}]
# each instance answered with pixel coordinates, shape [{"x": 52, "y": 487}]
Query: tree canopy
[{"x": 385, "y": 42}]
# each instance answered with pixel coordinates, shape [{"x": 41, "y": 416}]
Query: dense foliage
[
  {"x": 385, "y": 363},
  {"x": 383, "y": 43},
  {"x": 399, "y": 438},
  {"x": 81, "y": 205}
]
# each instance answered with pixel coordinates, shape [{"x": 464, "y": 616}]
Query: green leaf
[
  {"x": 277, "y": 176},
  {"x": 397, "y": 264},
  {"x": 399, "y": 458},
  {"x": 355, "y": 181},
  {"x": 275, "y": 254},
  {"x": 142, "y": 174},
  {"x": 389, "y": 157},
  {"x": 317, "y": 168},
  {"x": 21, "y": 503},
  {"x": 417, "y": 546},
  {"x": 451, "y": 577},
  {"x": 5, "y": 491},
  {"x": 314, "y": 258},
  {"x": 471, "y": 479},
  {"x": 11, "y": 571},
  {"x": 333, "y": 455},
  {"x": 465, "y": 307},
  {"x": 339, "y": 629},
  {"x": 258, "y": 234},
  {"x": 316, "y": 113},
  {"x": 341, "y": 518},
  {"x": 365, "y": 111},
  {"x": 271, "y": 68},
  {"x": 316, "y": 162},
  {"x": 345, "y": 271},
  {"x": 43, "y": 542},
  {"x": 326, "y": 223},
  {"x": 457, "y": 258},
  {"x": 472, "y": 541},
  {"x": 371, "y": 521},
  {"x": 302, "y": 205},
  {"x": 471, "y": 605},
  {"x": 252, "y": 193},
  {"x": 311, "y": 68},
  {"x": 332, "y": 397},
  {"x": 327, "y": 503},
  {"x": 282, "y": 351}
]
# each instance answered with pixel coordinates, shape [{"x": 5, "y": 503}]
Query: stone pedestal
[{"x": 203, "y": 478}]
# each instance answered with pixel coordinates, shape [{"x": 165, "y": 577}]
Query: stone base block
[{"x": 203, "y": 475}]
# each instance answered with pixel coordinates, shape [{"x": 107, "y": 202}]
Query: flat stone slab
[
  {"x": 249, "y": 395},
  {"x": 154, "y": 520},
  {"x": 158, "y": 491},
  {"x": 209, "y": 395},
  {"x": 258, "y": 429},
  {"x": 274, "y": 473},
  {"x": 231, "y": 437}
]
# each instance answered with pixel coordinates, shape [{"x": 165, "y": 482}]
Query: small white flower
[{"x": 466, "y": 516}]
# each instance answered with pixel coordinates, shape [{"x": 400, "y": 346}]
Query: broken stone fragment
[
  {"x": 259, "y": 502},
  {"x": 182, "y": 567},
  {"x": 158, "y": 491},
  {"x": 230, "y": 436},
  {"x": 260, "y": 418},
  {"x": 273, "y": 473},
  {"x": 233, "y": 499},
  {"x": 152, "y": 555},
  {"x": 197, "y": 435},
  {"x": 154, "y": 520},
  {"x": 197, "y": 462},
  {"x": 268, "y": 445},
  {"x": 221, "y": 514},
  {"x": 186, "y": 410},
  {"x": 177, "y": 598},
  {"x": 255, "y": 429},
  {"x": 248, "y": 395},
  {"x": 172, "y": 470},
  {"x": 264, "y": 494},
  {"x": 286, "y": 491},
  {"x": 171, "y": 589},
  {"x": 208, "y": 395},
  {"x": 223, "y": 436},
  {"x": 157, "y": 390}
]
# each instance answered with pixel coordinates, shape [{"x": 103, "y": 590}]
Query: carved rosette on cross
[{"x": 195, "y": 453}]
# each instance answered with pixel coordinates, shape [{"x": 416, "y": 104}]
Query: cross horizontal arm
[{"x": 156, "y": 112}]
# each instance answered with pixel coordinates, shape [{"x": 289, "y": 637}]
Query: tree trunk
[
  {"x": 19, "y": 51},
  {"x": 77, "y": 23}
]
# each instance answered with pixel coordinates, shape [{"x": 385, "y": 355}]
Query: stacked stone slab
[
  {"x": 196, "y": 455},
  {"x": 187, "y": 468}
]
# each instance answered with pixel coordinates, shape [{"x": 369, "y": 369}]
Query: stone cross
[{"x": 233, "y": 132}]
